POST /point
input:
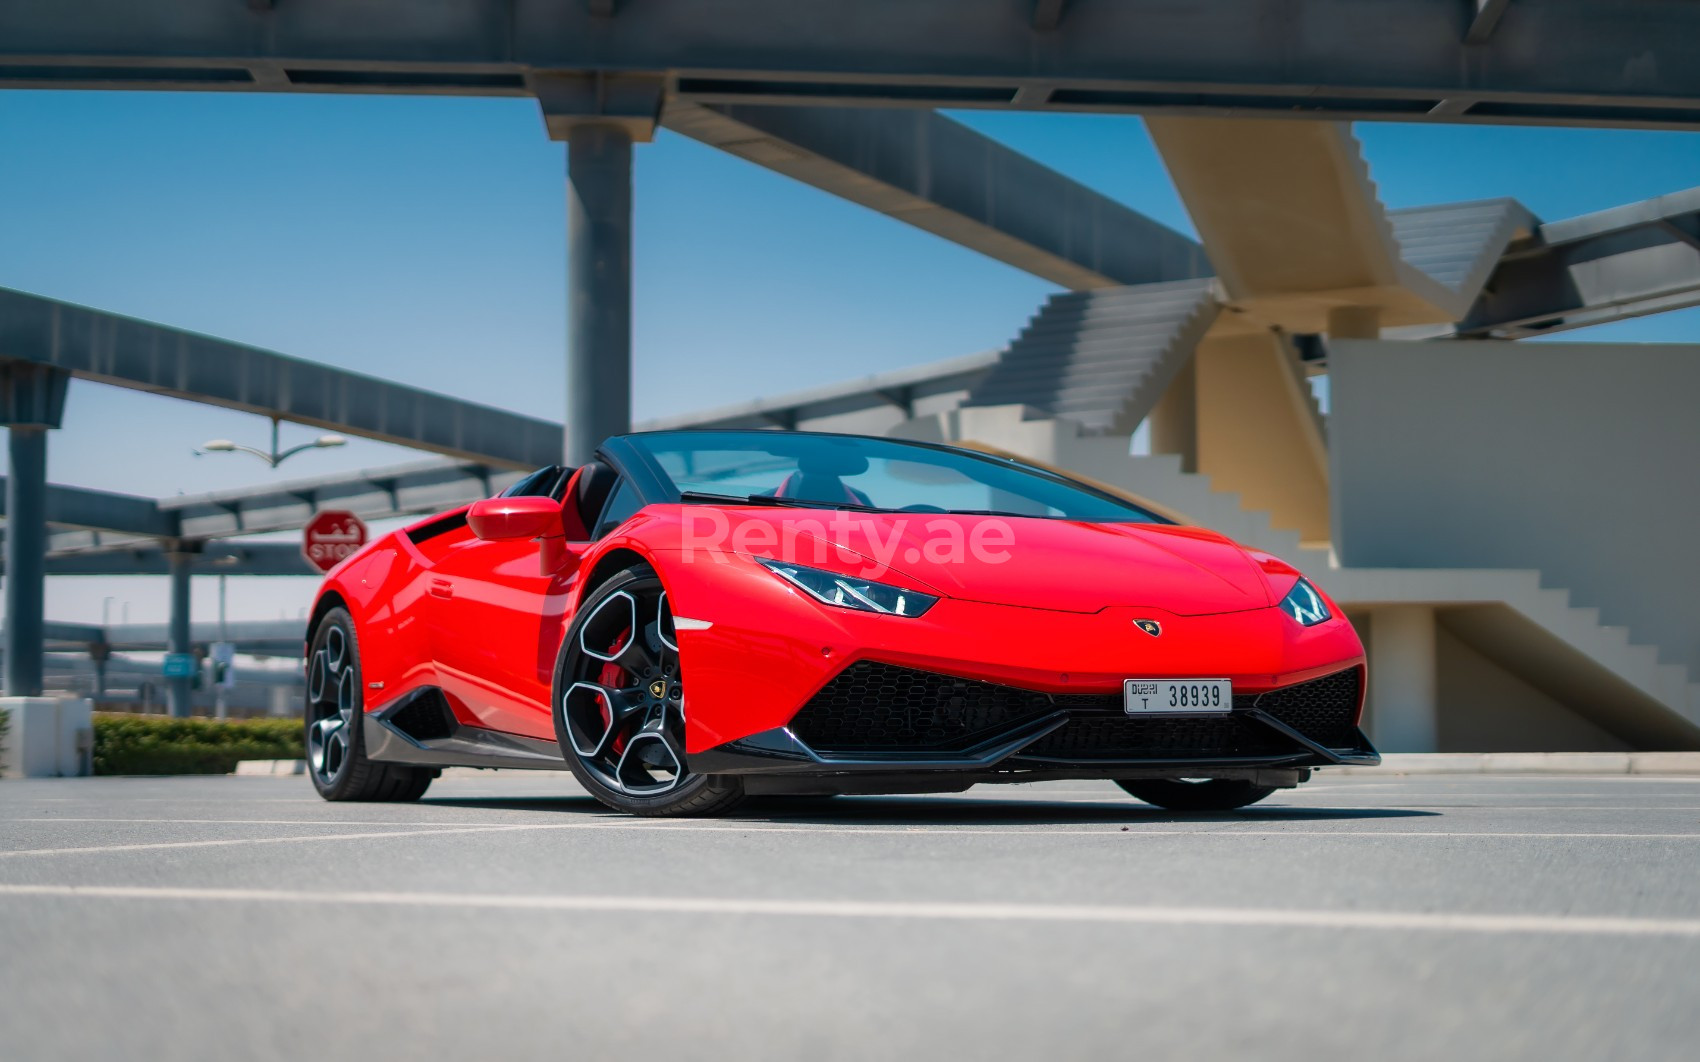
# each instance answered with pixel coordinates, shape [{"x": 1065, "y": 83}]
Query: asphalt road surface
[{"x": 508, "y": 916}]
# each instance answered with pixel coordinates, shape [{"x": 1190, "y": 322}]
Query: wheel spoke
[
  {"x": 640, "y": 758},
  {"x": 335, "y": 650},
  {"x": 664, "y": 632},
  {"x": 598, "y": 715},
  {"x": 317, "y": 678},
  {"x": 325, "y": 744}
]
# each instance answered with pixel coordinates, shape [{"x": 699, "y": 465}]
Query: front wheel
[
  {"x": 620, "y": 704},
  {"x": 1204, "y": 794}
]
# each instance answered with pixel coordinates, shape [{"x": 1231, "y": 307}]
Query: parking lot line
[
  {"x": 1105, "y": 829},
  {"x": 228, "y": 841},
  {"x": 1398, "y": 921}
]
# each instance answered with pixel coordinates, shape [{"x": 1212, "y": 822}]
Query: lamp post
[{"x": 275, "y": 456}]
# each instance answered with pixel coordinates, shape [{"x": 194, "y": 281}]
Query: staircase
[
  {"x": 1101, "y": 358},
  {"x": 1533, "y": 630},
  {"x": 1458, "y": 244}
]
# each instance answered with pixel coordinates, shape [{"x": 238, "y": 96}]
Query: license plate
[{"x": 1177, "y": 696}]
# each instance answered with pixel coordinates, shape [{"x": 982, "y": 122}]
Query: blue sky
[{"x": 424, "y": 240}]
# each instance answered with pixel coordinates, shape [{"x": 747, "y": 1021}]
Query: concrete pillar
[
  {"x": 1174, "y": 420},
  {"x": 26, "y": 559},
  {"x": 179, "y": 689},
  {"x": 599, "y": 286},
  {"x": 1403, "y": 694},
  {"x": 99, "y": 654},
  {"x": 32, "y": 401}
]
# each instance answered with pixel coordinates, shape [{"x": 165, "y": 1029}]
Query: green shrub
[{"x": 151, "y": 744}]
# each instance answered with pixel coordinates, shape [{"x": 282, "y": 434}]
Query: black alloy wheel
[
  {"x": 336, "y": 749},
  {"x": 620, "y": 704}
]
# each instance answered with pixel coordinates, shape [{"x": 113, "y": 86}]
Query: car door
[
  {"x": 496, "y": 630},
  {"x": 501, "y": 615},
  {"x": 489, "y": 615}
]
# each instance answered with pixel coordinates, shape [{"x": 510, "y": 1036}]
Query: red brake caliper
[{"x": 614, "y": 676}]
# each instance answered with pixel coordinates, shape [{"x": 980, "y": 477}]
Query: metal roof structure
[
  {"x": 1628, "y": 261},
  {"x": 109, "y": 348},
  {"x": 1635, "y": 63}
]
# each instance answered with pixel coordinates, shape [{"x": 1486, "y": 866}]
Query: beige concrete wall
[
  {"x": 1485, "y": 708},
  {"x": 1252, "y": 432},
  {"x": 1482, "y": 707}
]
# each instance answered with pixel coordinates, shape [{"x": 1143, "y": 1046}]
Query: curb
[
  {"x": 253, "y": 768},
  {"x": 1531, "y": 763}
]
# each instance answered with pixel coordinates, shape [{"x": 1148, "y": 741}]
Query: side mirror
[{"x": 505, "y": 519}]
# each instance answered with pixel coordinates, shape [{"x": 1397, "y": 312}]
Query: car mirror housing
[{"x": 506, "y": 519}]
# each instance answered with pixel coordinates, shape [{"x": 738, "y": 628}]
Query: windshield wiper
[{"x": 703, "y": 497}]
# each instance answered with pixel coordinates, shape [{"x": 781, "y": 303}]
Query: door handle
[{"x": 441, "y": 588}]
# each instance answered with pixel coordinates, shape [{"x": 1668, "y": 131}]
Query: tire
[
  {"x": 619, "y": 704},
  {"x": 1215, "y": 794},
  {"x": 335, "y": 739}
]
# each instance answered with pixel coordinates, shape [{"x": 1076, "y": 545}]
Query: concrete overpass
[{"x": 1524, "y": 61}]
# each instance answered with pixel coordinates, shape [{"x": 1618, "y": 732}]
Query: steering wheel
[{"x": 922, "y": 507}]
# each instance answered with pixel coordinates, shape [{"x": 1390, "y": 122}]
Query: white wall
[{"x": 1580, "y": 460}]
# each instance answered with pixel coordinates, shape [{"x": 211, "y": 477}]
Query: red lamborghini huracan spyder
[{"x": 696, "y": 616}]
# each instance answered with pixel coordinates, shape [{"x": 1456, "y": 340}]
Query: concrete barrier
[
  {"x": 49, "y": 737},
  {"x": 271, "y": 767}
]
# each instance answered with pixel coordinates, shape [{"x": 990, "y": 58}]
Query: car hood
[{"x": 1064, "y": 565}]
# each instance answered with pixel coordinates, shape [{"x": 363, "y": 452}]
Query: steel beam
[
  {"x": 26, "y": 552},
  {"x": 95, "y": 345},
  {"x": 599, "y": 286},
  {"x": 99, "y": 510},
  {"x": 1624, "y": 262},
  {"x": 252, "y": 637},
  {"x": 1635, "y": 63},
  {"x": 216, "y": 558},
  {"x": 375, "y": 494},
  {"x": 941, "y": 176},
  {"x": 32, "y": 403},
  {"x": 179, "y": 688}
]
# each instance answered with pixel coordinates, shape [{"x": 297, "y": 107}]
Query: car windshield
[{"x": 764, "y": 467}]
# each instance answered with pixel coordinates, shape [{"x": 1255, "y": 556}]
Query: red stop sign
[{"x": 331, "y": 537}]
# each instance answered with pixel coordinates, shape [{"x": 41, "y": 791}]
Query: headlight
[
  {"x": 847, "y": 591},
  {"x": 1304, "y": 604}
]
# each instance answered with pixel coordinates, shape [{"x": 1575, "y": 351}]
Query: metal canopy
[
  {"x": 1573, "y": 62},
  {"x": 106, "y": 347}
]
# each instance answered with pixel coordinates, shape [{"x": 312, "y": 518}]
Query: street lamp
[{"x": 275, "y": 457}]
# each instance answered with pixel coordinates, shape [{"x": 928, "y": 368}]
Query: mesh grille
[
  {"x": 872, "y": 706},
  {"x": 1320, "y": 709},
  {"x": 878, "y": 706}
]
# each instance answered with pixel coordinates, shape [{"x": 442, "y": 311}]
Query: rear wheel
[
  {"x": 1201, "y": 794},
  {"x": 620, "y": 713},
  {"x": 336, "y": 749}
]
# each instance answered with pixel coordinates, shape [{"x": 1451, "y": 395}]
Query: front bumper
[{"x": 879, "y": 719}]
